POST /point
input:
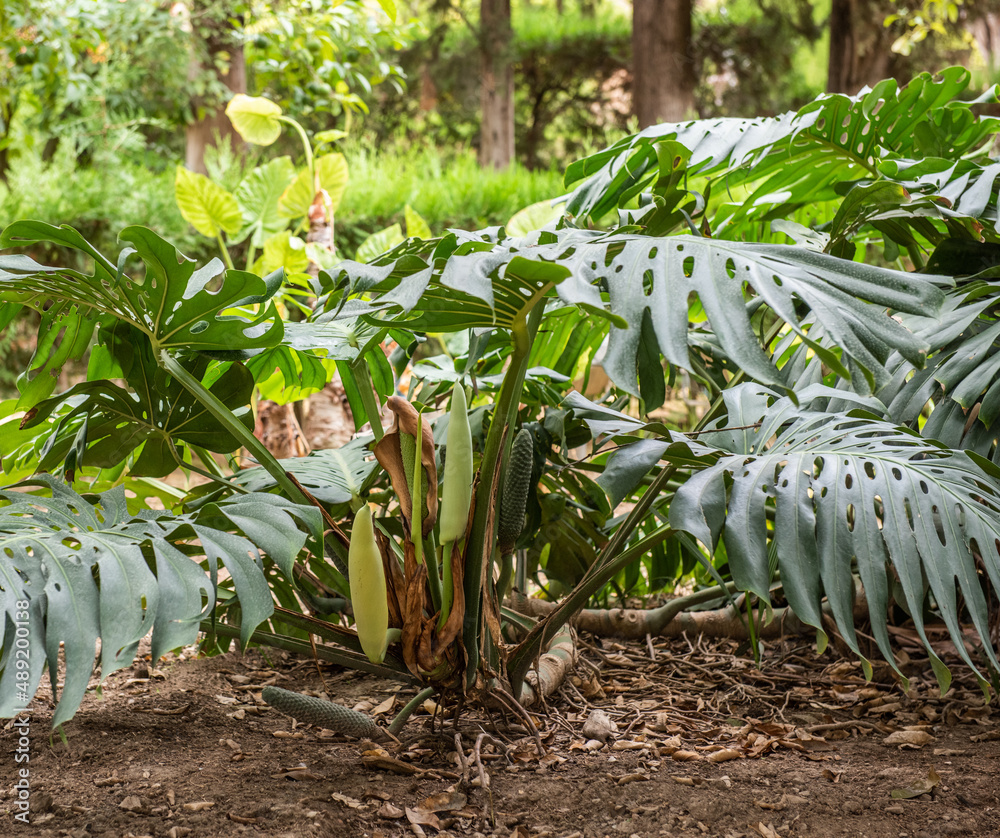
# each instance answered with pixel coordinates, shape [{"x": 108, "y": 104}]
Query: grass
[{"x": 447, "y": 191}]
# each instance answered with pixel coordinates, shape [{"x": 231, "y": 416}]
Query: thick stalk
[
  {"x": 407, "y": 711},
  {"x": 543, "y": 633},
  {"x": 363, "y": 381},
  {"x": 307, "y": 147},
  {"x": 304, "y": 648},
  {"x": 224, "y": 415},
  {"x": 504, "y": 412},
  {"x": 612, "y": 557},
  {"x": 225, "y": 252}
]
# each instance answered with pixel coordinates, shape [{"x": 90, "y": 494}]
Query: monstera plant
[{"x": 826, "y": 276}]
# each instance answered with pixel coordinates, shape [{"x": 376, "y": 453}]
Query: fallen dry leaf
[
  {"x": 387, "y": 810},
  {"x": 415, "y": 816},
  {"x": 908, "y": 738},
  {"x": 632, "y": 778},
  {"x": 385, "y": 707},
  {"x": 724, "y": 755},
  {"x": 347, "y": 801},
  {"x": 920, "y": 787},
  {"x": 445, "y": 801}
]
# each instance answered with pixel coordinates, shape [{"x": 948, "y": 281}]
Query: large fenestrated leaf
[
  {"x": 90, "y": 570},
  {"x": 106, "y": 423},
  {"x": 472, "y": 283},
  {"x": 332, "y": 475},
  {"x": 628, "y": 279},
  {"x": 793, "y": 159},
  {"x": 175, "y": 305},
  {"x": 849, "y": 491}
]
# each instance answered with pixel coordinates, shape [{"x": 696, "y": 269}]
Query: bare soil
[{"x": 704, "y": 744}]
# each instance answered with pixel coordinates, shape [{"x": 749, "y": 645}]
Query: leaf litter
[{"x": 695, "y": 740}]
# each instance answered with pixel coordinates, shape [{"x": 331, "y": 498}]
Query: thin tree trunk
[
  {"x": 496, "y": 140},
  {"x": 838, "y": 68},
  {"x": 860, "y": 53},
  {"x": 214, "y": 123},
  {"x": 662, "y": 61},
  {"x": 986, "y": 31}
]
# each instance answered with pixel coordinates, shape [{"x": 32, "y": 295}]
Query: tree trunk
[
  {"x": 860, "y": 53},
  {"x": 496, "y": 140},
  {"x": 838, "y": 67},
  {"x": 986, "y": 31},
  {"x": 662, "y": 61},
  {"x": 214, "y": 123}
]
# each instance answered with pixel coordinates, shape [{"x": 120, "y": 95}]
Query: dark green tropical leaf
[
  {"x": 175, "y": 306},
  {"x": 155, "y": 413},
  {"x": 90, "y": 570},
  {"x": 791, "y": 160},
  {"x": 848, "y": 491}
]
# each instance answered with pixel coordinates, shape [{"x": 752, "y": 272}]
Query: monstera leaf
[
  {"x": 105, "y": 423},
  {"x": 786, "y": 161},
  {"x": 641, "y": 286},
  {"x": 175, "y": 306},
  {"x": 848, "y": 491},
  {"x": 84, "y": 569}
]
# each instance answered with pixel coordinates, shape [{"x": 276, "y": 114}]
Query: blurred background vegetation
[{"x": 101, "y": 99}]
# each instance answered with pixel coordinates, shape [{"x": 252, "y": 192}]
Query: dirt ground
[{"x": 702, "y": 744}]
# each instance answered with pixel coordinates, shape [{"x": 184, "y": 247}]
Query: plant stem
[
  {"x": 304, "y": 648},
  {"x": 408, "y": 708},
  {"x": 611, "y": 559},
  {"x": 504, "y": 413},
  {"x": 307, "y": 146},
  {"x": 363, "y": 381},
  {"x": 543, "y": 633},
  {"x": 225, "y": 252},
  {"x": 225, "y": 416}
]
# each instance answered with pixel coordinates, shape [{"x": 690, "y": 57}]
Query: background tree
[
  {"x": 217, "y": 70},
  {"x": 662, "y": 61},
  {"x": 496, "y": 137}
]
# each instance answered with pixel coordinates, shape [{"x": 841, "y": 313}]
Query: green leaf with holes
[
  {"x": 171, "y": 302},
  {"x": 848, "y": 490},
  {"x": 89, "y": 570}
]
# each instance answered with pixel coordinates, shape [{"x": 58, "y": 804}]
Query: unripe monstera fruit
[
  {"x": 456, "y": 494},
  {"x": 368, "y": 590}
]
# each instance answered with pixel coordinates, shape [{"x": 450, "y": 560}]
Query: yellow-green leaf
[
  {"x": 333, "y": 177},
  {"x": 534, "y": 217},
  {"x": 254, "y": 118},
  {"x": 389, "y": 7},
  {"x": 205, "y": 205},
  {"x": 378, "y": 243},
  {"x": 283, "y": 250},
  {"x": 416, "y": 227}
]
